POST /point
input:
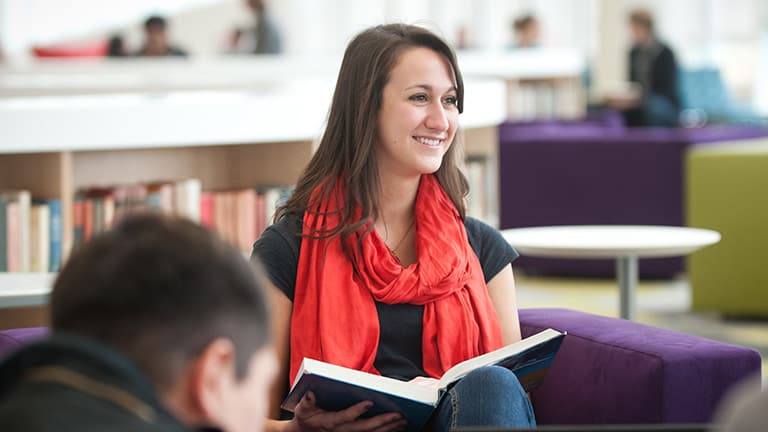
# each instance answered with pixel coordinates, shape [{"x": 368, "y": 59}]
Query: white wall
[
  {"x": 309, "y": 26},
  {"x": 721, "y": 32}
]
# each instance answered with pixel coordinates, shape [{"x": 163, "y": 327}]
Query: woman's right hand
[{"x": 308, "y": 417}]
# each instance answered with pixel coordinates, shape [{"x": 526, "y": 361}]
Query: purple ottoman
[
  {"x": 613, "y": 371},
  {"x": 12, "y": 339},
  {"x": 587, "y": 173}
]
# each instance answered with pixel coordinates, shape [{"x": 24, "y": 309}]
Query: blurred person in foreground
[{"x": 157, "y": 325}]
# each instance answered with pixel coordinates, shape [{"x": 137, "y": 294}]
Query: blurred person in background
[
  {"x": 526, "y": 30},
  {"x": 156, "y": 42},
  {"x": 263, "y": 38},
  {"x": 653, "y": 70},
  {"x": 116, "y": 46}
]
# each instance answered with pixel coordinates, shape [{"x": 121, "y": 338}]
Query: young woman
[{"x": 374, "y": 264}]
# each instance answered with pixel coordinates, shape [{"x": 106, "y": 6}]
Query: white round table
[{"x": 624, "y": 243}]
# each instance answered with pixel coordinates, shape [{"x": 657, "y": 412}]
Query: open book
[{"x": 337, "y": 387}]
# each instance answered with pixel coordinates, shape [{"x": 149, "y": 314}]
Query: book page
[{"x": 459, "y": 370}]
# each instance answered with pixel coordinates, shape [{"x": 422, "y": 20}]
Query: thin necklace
[{"x": 408, "y": 231}]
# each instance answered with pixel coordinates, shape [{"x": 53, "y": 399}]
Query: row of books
[
  {"x": 30, "y": 233},
  {"x": 536, "y": 101},
  {"x": 482, "y": 188},
  {"x": 240, "y": 216}
]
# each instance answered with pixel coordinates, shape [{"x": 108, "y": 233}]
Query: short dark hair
[
  {"x": 159, "y": 289},
  {"x": 155, "y": 22},
  {"x": 642, "y": 18},
  {"x": 523, "y": 21}
]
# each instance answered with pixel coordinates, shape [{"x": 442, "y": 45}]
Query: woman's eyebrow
[{"x": 429, "y": 87}]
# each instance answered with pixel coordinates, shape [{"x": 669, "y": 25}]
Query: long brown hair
[{"x": 346, "y": 151}]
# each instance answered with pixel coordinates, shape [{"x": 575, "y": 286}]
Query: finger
[
  {"x": 383, "y": 422},
  {"x": 306, "y": 404},
  {"x": 354, "y": 412},
  {"x": 395, "y": 426}
]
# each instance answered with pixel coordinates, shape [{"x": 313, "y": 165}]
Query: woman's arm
[
  {"x": 504, "y": 298},
  {"x": 308, "y": 417},
  {"x": 281, "y": 308}
]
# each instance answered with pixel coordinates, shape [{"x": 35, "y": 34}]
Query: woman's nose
[{"x": 437, "y": 118}]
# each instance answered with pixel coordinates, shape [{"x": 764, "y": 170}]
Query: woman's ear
[{"x": 212, "y": 375}]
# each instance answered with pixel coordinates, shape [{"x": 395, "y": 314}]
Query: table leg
[{"x": 626, "y": 274}]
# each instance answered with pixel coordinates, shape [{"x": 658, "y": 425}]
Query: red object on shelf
[{"x": 89, "y": 49}]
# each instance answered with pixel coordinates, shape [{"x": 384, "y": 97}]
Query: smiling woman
[
  {"x": 374, "y": 264},
  {"x": 418, "y": 117}
]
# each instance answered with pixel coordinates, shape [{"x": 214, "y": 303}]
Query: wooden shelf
[
  {"x": 25, "y": 289},
  {"x": 231, "y": 124}
]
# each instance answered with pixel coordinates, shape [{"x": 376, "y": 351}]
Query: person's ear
[{"x": 212, "y": 375}]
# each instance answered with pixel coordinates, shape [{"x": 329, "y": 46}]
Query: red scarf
[{"x": 334, "y": 315}]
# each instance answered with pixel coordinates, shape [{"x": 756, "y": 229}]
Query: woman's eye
[
  {"x": 451, "y": 100},
  {"x": 419, "y": 97}
]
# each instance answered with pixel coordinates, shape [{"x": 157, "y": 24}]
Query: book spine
[
  {"x": 206, "y": 210},
  {"x": 13, "y": 234},
  {"x": 3, "y": 236},
  {"x": 54, "y": 208},
  {"x": 25, "y": 207},
  {"x": 78, "y": 220},
  {"x": 39, "y": 238}
]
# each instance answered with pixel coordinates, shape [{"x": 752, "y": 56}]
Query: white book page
[
  {"x": 459, "y": 370},
  {"x": 376, "y": 382}
]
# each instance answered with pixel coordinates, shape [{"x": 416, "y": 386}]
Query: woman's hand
[{"x": 308, "y": 417}]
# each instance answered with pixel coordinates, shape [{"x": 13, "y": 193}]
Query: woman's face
[{"x": 418, "y": 116}]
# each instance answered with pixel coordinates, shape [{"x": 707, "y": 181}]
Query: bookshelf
[
  {"x": 55, "y": 145},
  {"x": 232, "y": 123},
  {"x": 539, "y": 82}
]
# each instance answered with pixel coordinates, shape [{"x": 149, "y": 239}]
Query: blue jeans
[{"x": 489, "y": 396}]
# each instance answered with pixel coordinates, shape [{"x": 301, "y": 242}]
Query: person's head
[
  {"x": 116, "y": 46},
  {"x": 257, "y": 6},
  {"x": 185, "y": 307},
  {"x": 394, "y": 112},
  {"x": 526, "y": 29},
  {"x": 641, "y": 26},
  {"x": 156, "y": 35}
]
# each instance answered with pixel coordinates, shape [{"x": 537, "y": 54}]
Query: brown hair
[
  {"x": 159, "y": 289},
  {"x": 524, "y": 21},
  {"x": 346, "y": 151},
  {"x": 642, "y": 18}
]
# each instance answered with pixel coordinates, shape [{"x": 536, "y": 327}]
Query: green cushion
[{"x": 727, "y": 191}]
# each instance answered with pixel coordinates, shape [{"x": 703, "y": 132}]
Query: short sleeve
[
  {"x": 493, "y": 252},
  {"x": 278, "y": 251}
]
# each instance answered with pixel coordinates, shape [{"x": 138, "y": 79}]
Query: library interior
[{"x": 620, "y": 147}]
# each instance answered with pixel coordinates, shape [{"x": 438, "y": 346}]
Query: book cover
[{"x": 337, "y": 387}]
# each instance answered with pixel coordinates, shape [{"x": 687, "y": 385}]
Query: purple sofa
[
  {"x": 609, "y": 370},
  {"x": 592, "y": 172},
  {"x": 14, "y": 338},
  {"x": 613, "y": 371}
]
